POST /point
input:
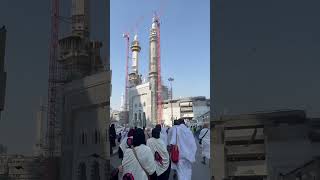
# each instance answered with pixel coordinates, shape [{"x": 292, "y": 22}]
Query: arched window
[
  {"x": 96, "y": 137},
  {"x": 82, "y": 175},
  {"x": 85, "y": 138},
  {"x": 82, "y": 138},
  {"x": 95, "y": 172}
]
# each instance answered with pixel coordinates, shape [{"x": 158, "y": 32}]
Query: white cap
[{"x": 135, "y": 37}]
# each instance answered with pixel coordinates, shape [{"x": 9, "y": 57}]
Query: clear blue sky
[{"x": 185, "y": 43}]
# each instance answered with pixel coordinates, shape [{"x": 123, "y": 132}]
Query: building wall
[
  {"x": 3, "y": 75},
  {"x": 21, "y": 167},
  {"x": 86, "y": 111},
  {"x": 140, "y": 103},
  {"x": 185, "y": 107}
]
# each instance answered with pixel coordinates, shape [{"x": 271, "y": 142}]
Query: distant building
[
  {"x": 140, "y": 105},
  {"x": 191, "y": 107},
  {"x": 262, "y": 145},
  {"x": 115, "y": 115},
  {"x": 3, "y": 74}
]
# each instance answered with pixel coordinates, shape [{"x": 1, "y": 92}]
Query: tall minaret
[
  {"x": 40, "y": 119},
  {"x": 134, "y": 76},
  {"x": 153, "y": 68},
  {"x": 80, "y": 17}
]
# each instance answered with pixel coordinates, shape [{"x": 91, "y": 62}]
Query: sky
[
  {"x": 26, "y": 59},
  {"x": 185, "y": 43},
  {"x": 266, "y": 56}
]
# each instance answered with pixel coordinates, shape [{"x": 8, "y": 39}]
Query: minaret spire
[
  {"x": 153, "y": 68},
  {"x": 134, "y": 76}
]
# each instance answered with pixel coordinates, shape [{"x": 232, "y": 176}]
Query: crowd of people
[{"x": 153, "y": 153}]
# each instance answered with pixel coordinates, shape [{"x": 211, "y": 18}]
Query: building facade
[
  {"x": 19, "y": 167},
  {"x": 140, "y": 106},
  {"x": 260, "y": 146},
  {"x": 85, "y": 114},
  {"x": 190, "y": 107},
  {"x": 3, "y": 74},
  {"x": 143, "y": 95}
]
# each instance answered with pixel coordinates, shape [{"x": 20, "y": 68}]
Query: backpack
[
  {"x": 158, "y": 158},
  {"x": 174, "y": 151}
]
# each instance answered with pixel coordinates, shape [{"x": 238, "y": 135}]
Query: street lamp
[{"x": 171, "y": 80}]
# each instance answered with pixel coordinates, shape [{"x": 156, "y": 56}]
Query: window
[
  {"x": 82, "y": 138},
  {"x": 95, "y": 175},
  {"x": 135, "y": 116},
  {"x": 82, "y": 172},
  {"x": 144, "y": 104},
  {"x": 96, "y": 137}
]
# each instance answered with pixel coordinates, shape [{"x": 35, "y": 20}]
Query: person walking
[
  {"x": 126, "y": 143},
  {"x": 138, "y": 162},
  {"x": 204, "y": 140},
  {"x": 171, "y": 134},
  {"x": 161, "y": 155},
  {"x": 112, "y": 137},
  {"x": 163, "y": 134},
  {"x": 185, "y": 140}
]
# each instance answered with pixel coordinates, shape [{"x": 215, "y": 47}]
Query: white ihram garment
[
  {"x": 131, "y": 165},
  {"x": 156, "y": 145},
  {"x": 187, "y": 151},
  {"x": 171, "y": 134},
  {"x": 205, "y": 146},
  {"x": 164, "y": 136},
  {"x": 123, "y": 145}
]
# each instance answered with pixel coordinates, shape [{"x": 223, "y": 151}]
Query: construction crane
[
  {"x": 53, "y": 74},
  {"x": 127, "y": 38},
  {"x": 159, "y": 85}
]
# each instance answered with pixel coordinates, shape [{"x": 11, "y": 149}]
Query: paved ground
[{"x": 199, "y": 170}]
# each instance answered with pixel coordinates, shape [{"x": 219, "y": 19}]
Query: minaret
[
  {"x": 134, "y": 77},
  {"x": 80, "y": 17},
  {"x": 153, "y": 69},
  {"x": 40, "y": 125}
]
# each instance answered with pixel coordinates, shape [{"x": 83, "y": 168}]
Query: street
[{"x": 199, "y": 170}]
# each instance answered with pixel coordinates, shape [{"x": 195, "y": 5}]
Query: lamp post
[{"x": 171, "y": 80}]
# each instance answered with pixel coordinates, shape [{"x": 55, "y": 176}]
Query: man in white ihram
[
  {"x": 205, "y": 142},
  {"x": 187, "y": 150}
]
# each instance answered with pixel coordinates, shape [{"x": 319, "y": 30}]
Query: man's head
[
  {"x": 158, "y": 126},
  {"x": 156, "y": 133},
  {"x": 181, "y": 121},
  {"x": 175, "y": 122}
]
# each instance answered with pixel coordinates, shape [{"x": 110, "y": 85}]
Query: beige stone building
[{"x": 262, "y": 145}]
